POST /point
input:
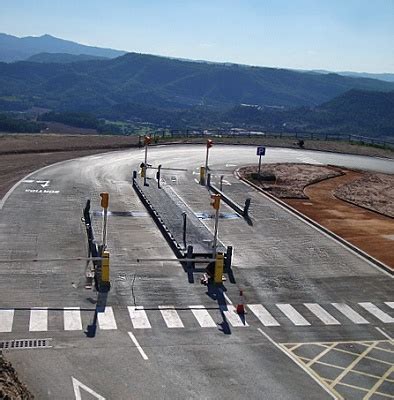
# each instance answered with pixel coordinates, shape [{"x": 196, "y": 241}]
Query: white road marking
[
  {"x": 383, "y": 333},
  {"x": 77, "y": 385},
  {"x": 232, "y": 317},
  {"x": 106, "y": 319},
  {"x": 72, "y": 319},
  {"x": 231, "y": 165},
  {"x": 390, "y": 304},
  {"x": 45, "y": 191},
  {"x": 171, "y": 317},
  {"x": 138, "y": 317},
  {"x": 28, "y": 181},
  {"x": 227, "y": 298},
  {"x": 196, "y": 180},
  {"x": 6, "y": 320},
  {"x": 140, "y": 349},
  {"x": 377, "y": 312},
  {"x": 350, "y": 313},
  {"x": 43, "y": 183},
  {"x": 322, "y": 314},
  {"x": 302, "y": 366},
  {"x": 263, "y": 315},
  {"x": 294, "y": 316},
  {"x": 38, "y": 320},
  {"x": 203, "y": 317}
]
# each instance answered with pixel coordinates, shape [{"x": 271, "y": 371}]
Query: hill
[
  {"x": 62, "y": 58},
  {"x": 102, "y": 86},
  {"x": 13, "y": 48}
]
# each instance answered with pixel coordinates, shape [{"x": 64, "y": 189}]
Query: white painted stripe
[
  {"x": 232, "y": 317},
  {"x": 383, "y": 333},
  {"x": 6, "y": 320},
  {"x": 106, "y": 319},
  {"x": 263, "y": 315},
  {"x": 171, "y": 317},
  {"x": 322, "y": 314},
  {"x": 348, "y": 312},
  {"x": 135, "y": 341},
  {"x": 138, "y": 317},
  {"x": 294, "y": 316},
  {"x": 226, "y": 297},
  {"x": 377, "y": 312},
  {"x": 72, "y": 319},
  {"x": 203, "y": 317},
  {"x": 38, "y": 319},
  {"x": 390, "y": 304}
]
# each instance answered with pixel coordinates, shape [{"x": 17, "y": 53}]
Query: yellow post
[
  {"x": 143, "y": 172},
  {"x": 219, "y": 263},
  {"x": 105, "y": 268},
  {"x": 202, "y": 175}
]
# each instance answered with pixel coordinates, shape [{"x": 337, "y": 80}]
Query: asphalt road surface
[{"x": 319, "y": 320}]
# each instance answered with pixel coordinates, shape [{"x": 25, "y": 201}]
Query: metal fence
[{"x": 222, "y": 133}]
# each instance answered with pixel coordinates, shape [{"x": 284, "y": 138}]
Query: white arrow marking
[
  {"x": 43, "y": 183},
  {"x": 77, "y": 390},
  {"x": 28, "y": 181}
]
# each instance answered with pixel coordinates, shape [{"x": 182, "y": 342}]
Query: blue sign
[{"x": 261, "y": 151}]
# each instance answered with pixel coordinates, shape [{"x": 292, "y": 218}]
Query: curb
[{"x": 334, "y": 236}]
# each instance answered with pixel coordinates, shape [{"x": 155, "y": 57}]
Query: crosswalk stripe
[
  {"x": 106, "y": 319},
  {"x": 377, "y": 312},
  {"x": 38, "y": 320},
  {"x": 203, "y": 317},
  {"x": 322, "y": 314},
  {"x": 138, "y": 317},
  {"x": 171, "y": 317},
  {"x": 232, "y": 317},
  {"x": 263, "y": 315},
  {"x": 390, "y": 304},
  {"x": 72, "y": 319},
  {"x": 294, "y": 316},
  {"x": 6, "y": 320},
  {"x": 348, "y": 312}
]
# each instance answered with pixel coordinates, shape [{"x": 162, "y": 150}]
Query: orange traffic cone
[{"x": 240, "y": 305}]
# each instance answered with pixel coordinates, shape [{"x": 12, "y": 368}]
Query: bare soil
[{"x": 356, "y": 205}]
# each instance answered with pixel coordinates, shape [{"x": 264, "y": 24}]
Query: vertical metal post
[
  {"x": 206, "y": 161},
  {"x": 259, "y": 164},
  {"x": 184, "y": 229},
  {"x": 105, "y": 228},
  {"x": 221, "y": 183},
  {"x": 215, "y": 236},
  {"x": 145, "y": 162},
  {"x": 158, "y": 176}
]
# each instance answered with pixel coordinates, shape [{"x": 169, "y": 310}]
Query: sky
[{"x": 335, "y": 35}]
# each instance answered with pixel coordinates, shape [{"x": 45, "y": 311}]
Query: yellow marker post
[
  {"x": 219, "y": 264},
  {"x": 202, "y": 175},
  {"x": 105, "y": 284}
]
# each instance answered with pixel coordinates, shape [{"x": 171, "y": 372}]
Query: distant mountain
[
  {"x": 382, "y": 76},
  {"x": 62, "y": 58},
  {"x": 13, "y": 48},
  {"x": 103, "y": 85}
]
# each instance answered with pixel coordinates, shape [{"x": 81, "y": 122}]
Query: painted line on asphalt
[
  {"x": 6, "y": 320},
  {"x": 348, "y": 312},
  {"x": 263, "y": 315},
  {"x": 171, "y": 317},
  {"x": 383, "y": 333},
  {"x": 138, "y": 317},
  {"x": 322, "y": 314},
  {"x": 38, "y": 319},
  {"x": 106, "y": 319},
  {"x": 293, "y": 315},
  {"x": 227, "y": 298},
  {"x": 377, "y": 312},
  {"x": 203, "y": 317},
  {"x": 232, "y": 317},
  {"x": 307, "y": 371},
  {"x": 72, "y": 319},
  {"x": 137, "y": 345}
]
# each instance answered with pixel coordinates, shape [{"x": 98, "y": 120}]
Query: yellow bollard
[
  {"x": 219, "y": 263},
  {"x": 143, "y": 172},
  {"x": 105, "y": 268},
  {"x": 202, "y": 175}
]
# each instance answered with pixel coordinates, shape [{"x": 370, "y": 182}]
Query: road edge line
[
  {"x": 309, "y": 373},
  {"x": 354, "y": 249},
  {"x": 137, "y": 345}
]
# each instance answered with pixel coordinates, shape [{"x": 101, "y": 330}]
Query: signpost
[{"x": 260, "y": 152}]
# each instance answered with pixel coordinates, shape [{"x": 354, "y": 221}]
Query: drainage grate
[{"x": 25, "y": 344}]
